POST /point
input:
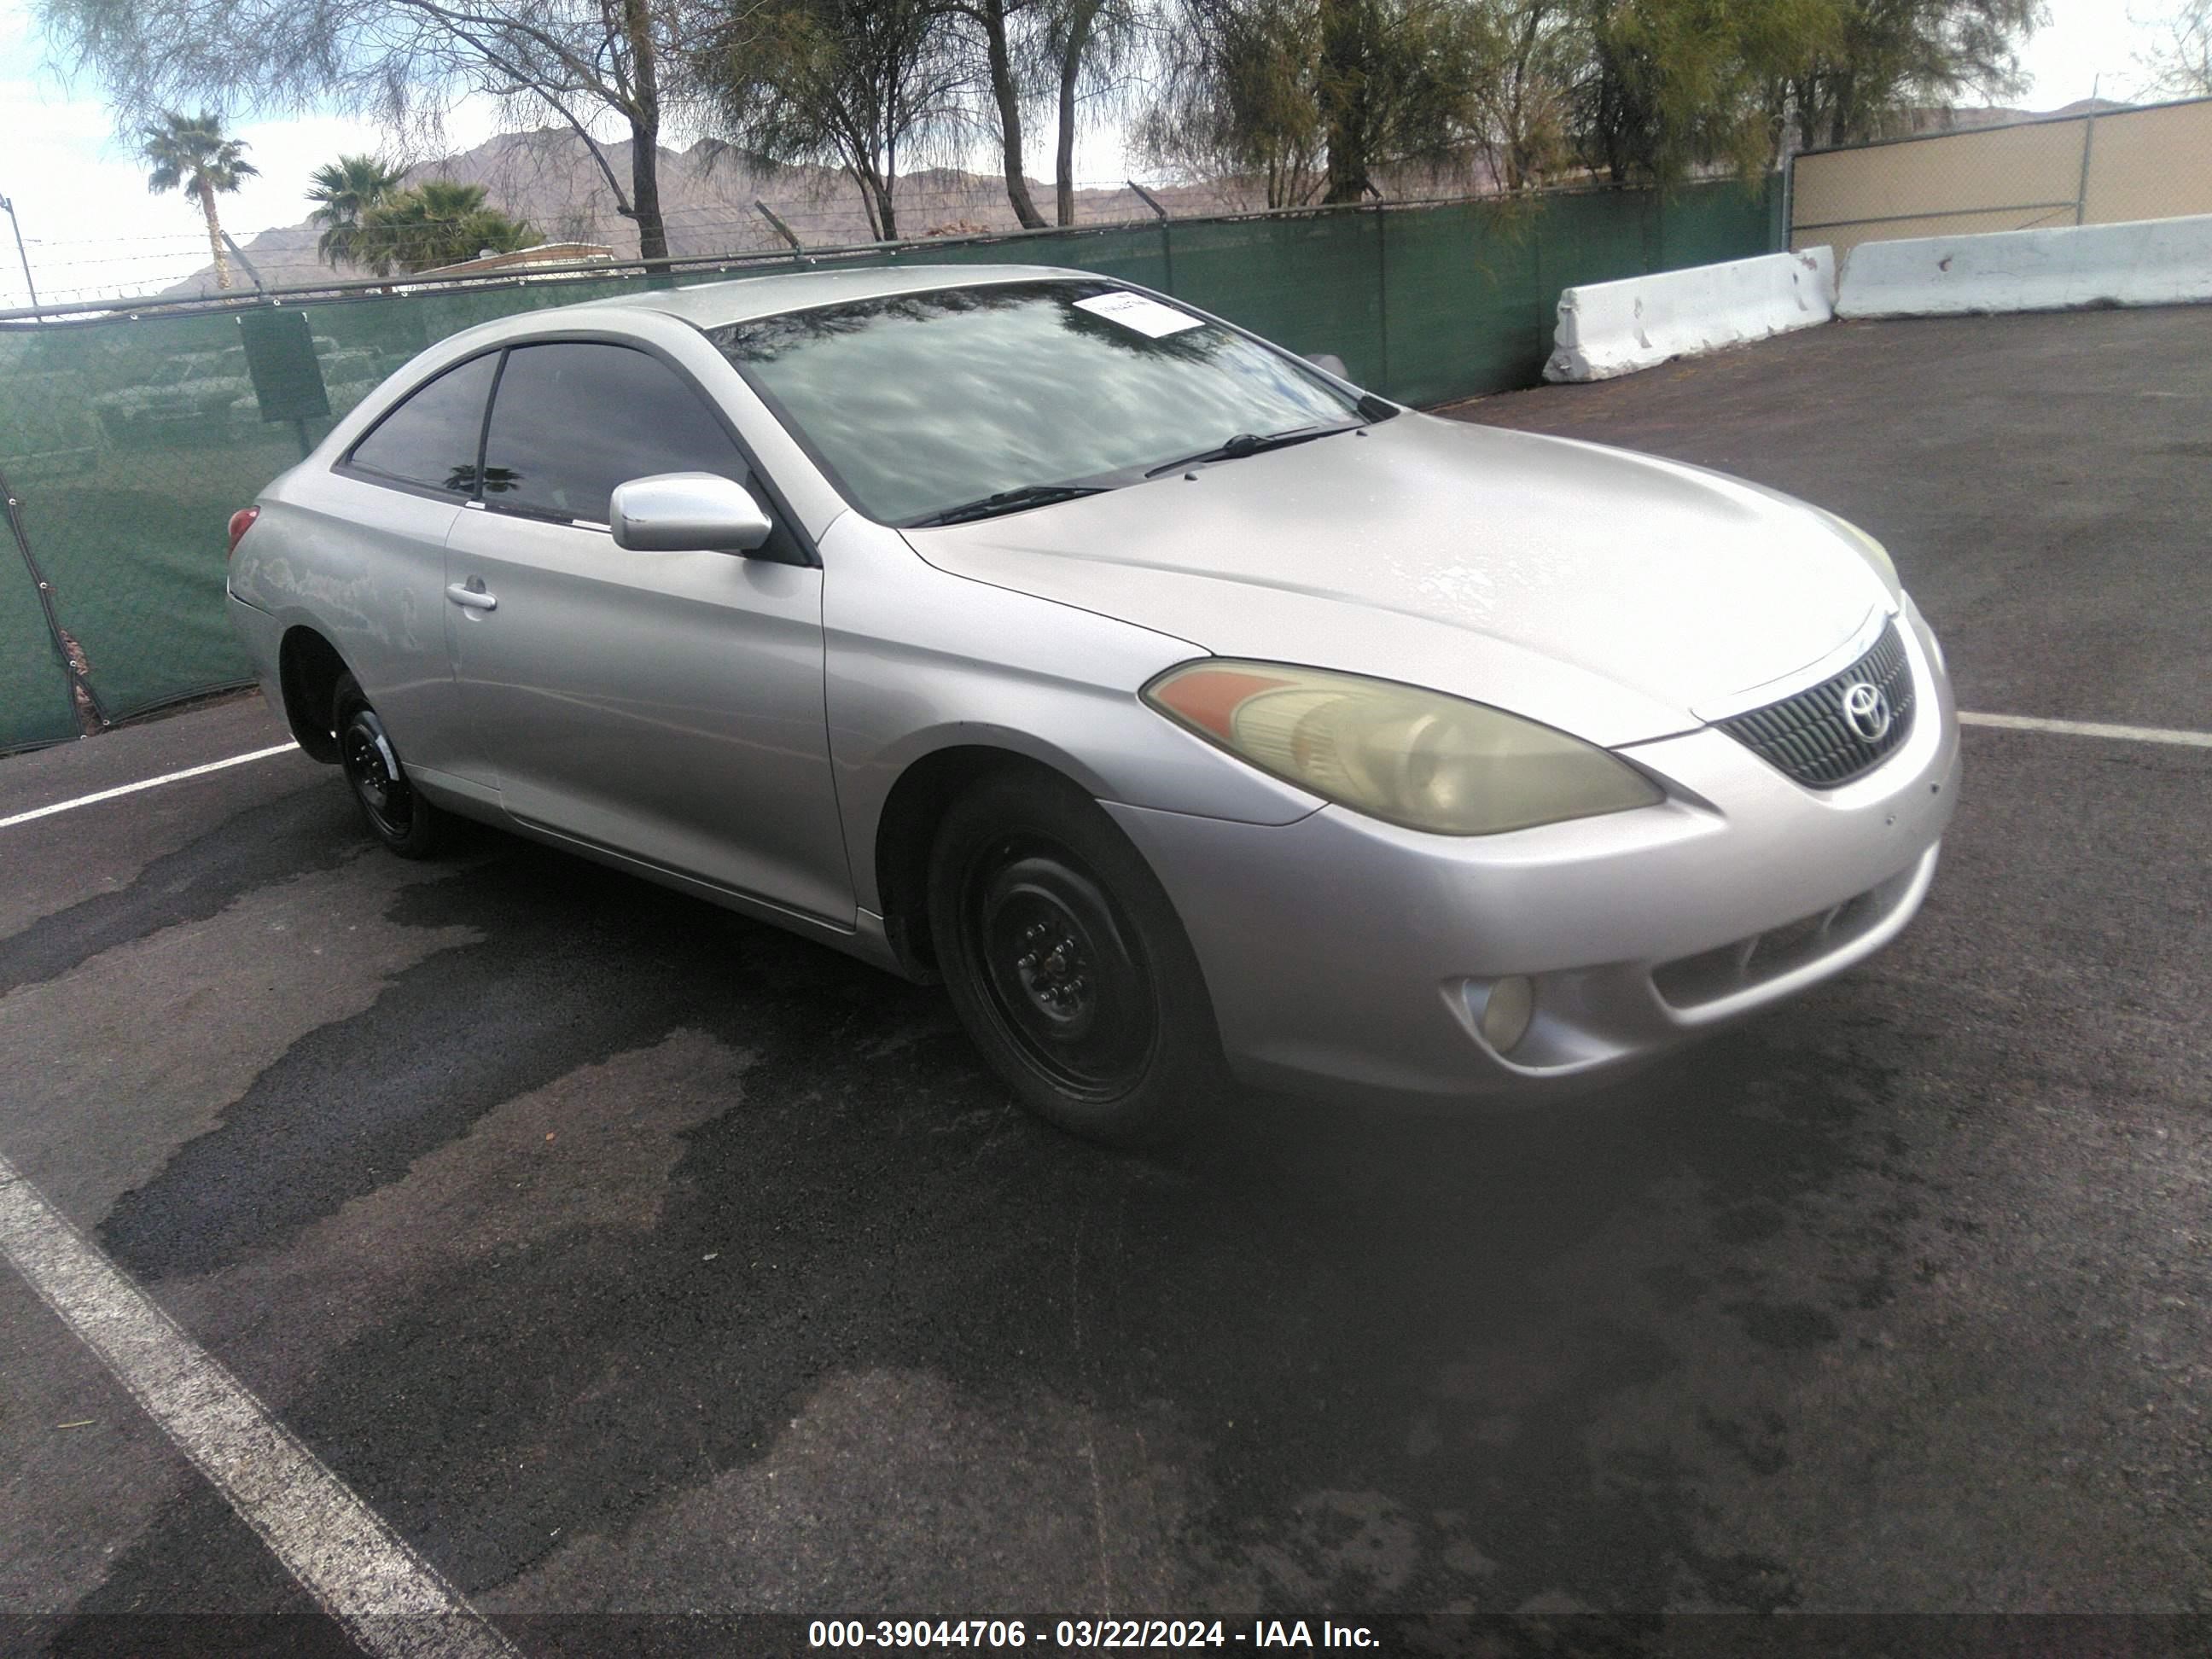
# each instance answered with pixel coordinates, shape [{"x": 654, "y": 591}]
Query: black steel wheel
[
  {"x": 1068, "y": 964},
  {"x": 1057, "y": 961},
  {"x": 395, "y": 813}
]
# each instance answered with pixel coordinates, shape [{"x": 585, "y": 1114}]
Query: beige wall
[{"x": 2153, "y": 163}]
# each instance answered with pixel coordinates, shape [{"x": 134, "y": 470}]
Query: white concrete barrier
[
  {"x": 1616, "y": 328},
  {"x": 2142, "y": 262}
]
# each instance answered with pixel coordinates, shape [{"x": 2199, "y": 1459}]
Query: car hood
[{"x": 1610, "y": 593}]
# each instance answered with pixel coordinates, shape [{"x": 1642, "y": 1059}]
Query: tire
[
  {"x": 1066, "y": 963},
  {"x": 395, "y": 813}
]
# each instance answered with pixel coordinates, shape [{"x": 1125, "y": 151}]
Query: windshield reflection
[{"x": 922, "y": 402}]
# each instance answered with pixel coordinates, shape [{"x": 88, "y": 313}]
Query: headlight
[
  {"x": 1395, "y": 753},
  {"x": 1872, "y": 551}
]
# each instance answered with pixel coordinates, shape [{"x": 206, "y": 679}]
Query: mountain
[
  {"x": 707, "y": 193},
  {"x": 1945, "y": 118},
  {"x": 707, "y": 196}
]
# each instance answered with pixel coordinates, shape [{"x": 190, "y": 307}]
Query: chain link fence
[{"x": 128, "y": 438}]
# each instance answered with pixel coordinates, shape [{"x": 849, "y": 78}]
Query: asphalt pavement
[{"x": 629, "y": 1258}]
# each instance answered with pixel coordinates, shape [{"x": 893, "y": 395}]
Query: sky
[{"x": 94, "y": 231}]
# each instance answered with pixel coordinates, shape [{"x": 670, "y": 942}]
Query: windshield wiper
[
  {"x": 1252, "y": 443},
  {"x": 1007, "y": 500}
]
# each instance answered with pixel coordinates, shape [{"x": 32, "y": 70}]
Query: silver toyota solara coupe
[{"x": 1184, "y": 708}]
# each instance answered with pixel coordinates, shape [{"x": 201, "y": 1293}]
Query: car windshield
[{"x": 923, "y": 403}]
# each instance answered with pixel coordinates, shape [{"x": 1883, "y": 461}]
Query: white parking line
[
  {"x": 363, "y": 1574},
  {"x": 149, "y": 783},
  {"x": 2085, "y": 729}
]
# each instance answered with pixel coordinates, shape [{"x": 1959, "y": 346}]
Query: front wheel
[
  {"x": 395, "y": 813},
  {"x": 1066, "y": 963}
]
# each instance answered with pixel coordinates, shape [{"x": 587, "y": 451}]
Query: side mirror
[
  {"x": 687, "y": 513},
  {"x": 1330, "y": 362}
]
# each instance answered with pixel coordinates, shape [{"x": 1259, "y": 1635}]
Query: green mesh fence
[
  {"x": 128, "y": 442},
  {"x": 1703, "y": 227},
  {"x": 1461, "y": 305},
  {"x": 1312, "y": 284},
  {"x": 125, "y": 543},
  {"x": 1133, "y": 254}
]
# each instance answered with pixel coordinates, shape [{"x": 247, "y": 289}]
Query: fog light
[{"x": 1505, "y": 1016}]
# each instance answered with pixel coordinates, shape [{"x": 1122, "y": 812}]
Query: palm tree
[
  {"x": 190, "y": 153},
  {"x": 438, "y": 222},
  {"x": 346, "y": 189}
]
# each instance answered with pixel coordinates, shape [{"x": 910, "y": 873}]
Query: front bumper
[{"x": 1345, "y": 953}]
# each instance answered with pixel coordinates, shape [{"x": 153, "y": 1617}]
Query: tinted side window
[
  {"x": 430, "y": 438},
  {"x": 573, "y": 420}
]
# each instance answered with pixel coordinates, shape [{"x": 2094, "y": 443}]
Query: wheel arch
[
  {"x": 308, "y": 667},
  {"x": 906, "y": 830}
]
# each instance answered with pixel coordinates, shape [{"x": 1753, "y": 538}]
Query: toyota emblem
[{"x": 1865, "y": 711}]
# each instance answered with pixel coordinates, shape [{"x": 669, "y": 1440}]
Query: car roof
[{"x": 712, "y": 304}]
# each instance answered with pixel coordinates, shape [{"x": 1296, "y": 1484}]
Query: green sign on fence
[{"x": 280, "y": 355}]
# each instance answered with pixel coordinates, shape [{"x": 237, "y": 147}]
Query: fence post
[
  {"x": 782, "y": 228},
  {"x": 84, "y": 704},
  {"x": 7, "y": 207},
  {"x": 238, "y": 254},
  {"x": 1382, "y": 293},
  {"x": 2081, "y": 190},
  {"x": 1545, "y": 325},
  {"x": 1167, "y": 238}
]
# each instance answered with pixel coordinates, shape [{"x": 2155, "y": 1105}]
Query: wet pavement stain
[
  {"x": 1317, "y": 1356},
  {"x": 312, "y": 830},
  {"x": 1242, "y": 1329},
  {"x": 1791, "y": 1325},
  {"x": 346, "y": 1109}
]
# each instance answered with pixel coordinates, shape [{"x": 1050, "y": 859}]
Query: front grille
[{"x": 1809, "y": 735}]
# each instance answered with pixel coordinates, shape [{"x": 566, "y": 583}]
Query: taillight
[{"x": 241, "y": 522}]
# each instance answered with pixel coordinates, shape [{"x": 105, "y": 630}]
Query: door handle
[{"x": 471, "y": 594}]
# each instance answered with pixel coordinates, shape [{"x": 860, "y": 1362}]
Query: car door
[
  {"x": 378, "y": 557},
  {"x": 667, "y": 706}
]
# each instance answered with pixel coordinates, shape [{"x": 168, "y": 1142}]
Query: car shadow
[{"x": 1319, "y": 1354}]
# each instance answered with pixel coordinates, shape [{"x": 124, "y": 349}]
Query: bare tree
[
  {"x": 1521, "y": 101},
  {"x": 994, "y": 21},
  {"x": 401, "y": 61},
  {"x": 1049, "y": 53},
  {"x": 1657, "y": 89},
  {"x": 1235, "y": 96},
  {"x": 857, "y": 84},
  {"x": 1394, "y": 79},
  {"x": 1316, "y": 95},
  {"x": 2178, "y": 61},
  {"x": 1084, "y": 47},
  {"x": 1667, "y": 88},
  {"x": 1866, "y": 60}
]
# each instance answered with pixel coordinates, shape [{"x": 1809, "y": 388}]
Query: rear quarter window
[{"x": 430, "y": 438}]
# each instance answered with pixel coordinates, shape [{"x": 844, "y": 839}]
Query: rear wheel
[
  {"x": 395, "y": 813},
  {"x": 1068, "y": 964}
]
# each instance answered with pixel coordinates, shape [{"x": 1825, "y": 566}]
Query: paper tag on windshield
[{"x": 1134, "y": 311}]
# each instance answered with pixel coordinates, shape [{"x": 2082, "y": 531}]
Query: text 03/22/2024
[{"x": 1085, "y": 1633}]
